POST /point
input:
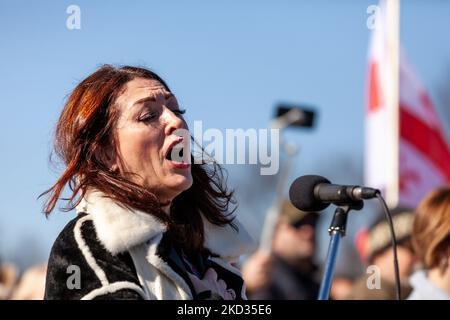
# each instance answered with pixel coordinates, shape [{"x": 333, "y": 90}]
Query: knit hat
[{"x": 377, "y": 238}]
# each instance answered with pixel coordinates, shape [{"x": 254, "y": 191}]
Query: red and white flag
[{"x": 407, "y": 151}]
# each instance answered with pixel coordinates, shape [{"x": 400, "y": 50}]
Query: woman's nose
[{"x": 173, "y": 121}]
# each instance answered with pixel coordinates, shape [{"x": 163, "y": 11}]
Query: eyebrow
[{"x": 152, "y": 98}]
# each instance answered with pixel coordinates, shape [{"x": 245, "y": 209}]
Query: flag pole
[{"x": 393, "y": 105}]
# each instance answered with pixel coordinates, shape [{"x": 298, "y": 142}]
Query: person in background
[
  {"x": 8, "y": 279},
  {"x": 289, "y": 272},
  {"x": 341, "y": 287},
  {"x": 374, "y": 246},
  {"x": 31, "y": 285},
  {"x": 431, "y": 243}
]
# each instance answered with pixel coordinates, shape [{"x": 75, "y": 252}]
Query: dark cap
[{"x": 296, "y": 217}]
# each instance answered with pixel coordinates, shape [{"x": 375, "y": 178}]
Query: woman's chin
[{"x": 180, "y": 182}]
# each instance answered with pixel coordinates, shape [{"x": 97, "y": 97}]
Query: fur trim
[
  {"x": 161, "y": 265},
  {"x": 120, "y": 229},
  {"x": 106, "y": 287},
  {"x": 144, "y": 256},
  {"x": 87, "y": 252},
  {"x": 113, "y": 287}
]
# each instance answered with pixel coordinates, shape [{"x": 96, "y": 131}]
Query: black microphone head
[{"x": 301, "y": 193}]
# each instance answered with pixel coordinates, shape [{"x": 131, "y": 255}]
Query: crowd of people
[
  {"x": 423, "y": 250},
  {"x": 27, "y": 286},
  {"x": 288, "y": 272}
]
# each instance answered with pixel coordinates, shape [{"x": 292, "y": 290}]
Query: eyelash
[
  {"x": 151, "y": 116},
  {"x": 179, "y": 111}
]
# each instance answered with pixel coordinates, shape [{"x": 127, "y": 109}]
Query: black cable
[{"x": 394, "y": 244}]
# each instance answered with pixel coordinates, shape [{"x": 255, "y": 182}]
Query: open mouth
[{"x": 176, "y": 155}]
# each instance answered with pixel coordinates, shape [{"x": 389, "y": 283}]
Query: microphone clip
[{"x": 339, "y": 222}]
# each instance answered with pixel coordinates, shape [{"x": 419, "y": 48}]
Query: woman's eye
[
  {"x": 147, "y": 117},
  {"x": 179, "y": 112}
]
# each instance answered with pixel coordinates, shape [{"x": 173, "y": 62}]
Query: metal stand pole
[{"x": 336, "y": 231}]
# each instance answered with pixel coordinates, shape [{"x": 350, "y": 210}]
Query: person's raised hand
[{"x": 257, "y": 270}]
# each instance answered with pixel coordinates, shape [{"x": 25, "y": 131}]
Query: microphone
[{"x": 315, "y": 193}]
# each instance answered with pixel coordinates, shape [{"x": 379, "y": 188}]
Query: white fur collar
[{"x": 119, "y": 229}]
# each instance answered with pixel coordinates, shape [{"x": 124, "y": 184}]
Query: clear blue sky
[{"x": 228, "y": 62}]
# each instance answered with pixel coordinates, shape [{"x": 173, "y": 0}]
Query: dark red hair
[{"x": 84, "y": 133}]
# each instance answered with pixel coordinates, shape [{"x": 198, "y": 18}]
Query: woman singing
[{"x": 149, "y": 225}]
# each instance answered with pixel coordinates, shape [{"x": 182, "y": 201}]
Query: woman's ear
[
  {"x": 112, "y": 160},
  {"x": 107, "y": 156}
]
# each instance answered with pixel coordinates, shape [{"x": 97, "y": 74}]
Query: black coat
[{"x": 85, "y": 264}]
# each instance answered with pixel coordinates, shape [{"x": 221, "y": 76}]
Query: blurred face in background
[
  {"x": 148, "y": 118},
  {"x": 295, "y": 243},
  {"x": 406, "y": 263}
]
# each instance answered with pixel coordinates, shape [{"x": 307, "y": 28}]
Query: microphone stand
[{"x": 337, "y": 231}]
